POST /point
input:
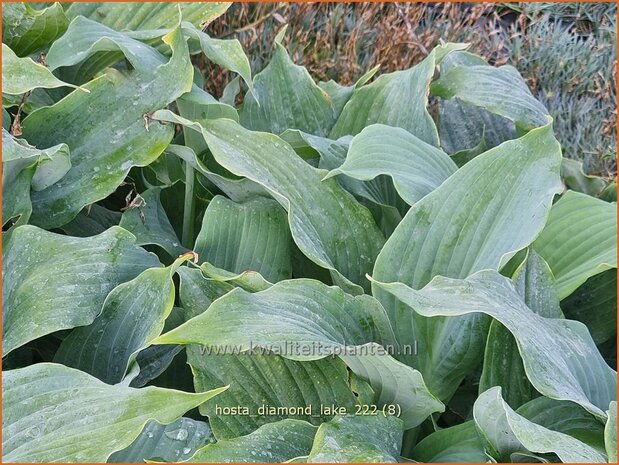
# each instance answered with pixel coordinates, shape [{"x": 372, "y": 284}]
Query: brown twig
[
  {"x": 16, "y": 129},
  {"x": 251, "y": 25},
  {"x": 411, "y": 31}
]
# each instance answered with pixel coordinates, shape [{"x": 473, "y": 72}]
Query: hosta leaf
[
  {"x": 486, "y": 86},
  {"x": 610, "y": 433},
  {"x": 506, "y": 433},
  {"x": 462, "y": 157},
  {"x": 396, "y": 99},
  {"x": 20, "y": 75},
  {"x": 307, "y": 320},
  {"x": 461, "y": 227},
  {"x": 26, "y": 30},
  {"x": 331, "y": 155},
  {"x": 231, "y": 91},
  {"x": 6, "y": 119},
  {"x": 154, "y": 360},
  {"x": 239, "y": 190},
  {"x": 358, "y": 439},
  {"x": 460, "y": 443},
  {"x": 610, "y": 192},
  {"x": 595, "y": 304},
  {"x": 174, "y": 442},
  {"x": 52, "y": 413},
  {"x": 417, "y": 168},
  {"x": 25, "y": 167},
  {"x": 318, "y": 151},
  {"x": 43, "y": 270},
  {"x": 565, "y": 417},
  {"x": 150, "y": 224},
  {"x": 88, "y": 47},
  {"x": 260, "y": 378},
  {"x": 271, "y": 443},
  {"x": 316, "y": 210},
  {"x": 86, "y": 37},
  {"x": 51, "y": 164},
  {"x": 101, "y": 157},
  {"x": 16, "y": 204},
  {"x": 311, "y": 301},
  {"x": 385, "y": 203},
  {"x": 133, "y": 314},
  {"x": 199, "y": 105},
  {"x": 579, "y": 240},
  {"x": 560, "y": 358},
  {"x": 462, "y": 126},
  {"x": 341, "y": 94},
  {"x": 502, "y": 362},
  {"x": 228, "y": 54},
  {"x": 286, "y": 97},
  {"x": 141, "y": 16},
  {"x": 246, "y": 236},
  {"x": 576, "y": 179},
  {"x": 196, "y": 293},
  {"x": 257, "y": 380}
]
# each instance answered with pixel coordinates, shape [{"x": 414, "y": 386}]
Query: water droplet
[
  {"x": 178, "y": 434},
  {"x": 186, "y": 450}
]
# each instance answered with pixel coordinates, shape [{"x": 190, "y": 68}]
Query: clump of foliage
[
  {"x": 566, "y": 52},
  {"x": 325, "y": 273}
]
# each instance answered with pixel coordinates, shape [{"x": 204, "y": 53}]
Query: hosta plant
[{"x": 401, "y": 269}]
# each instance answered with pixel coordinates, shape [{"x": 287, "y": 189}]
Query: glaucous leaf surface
[
  {"x": 566, "y": 417},
  {"x": 286, "y": 97},
  {"x": 460, "y": 443},
  {"x": 149, "y": 223},
  {"x": 502, "y": 361},
  {"x": 52, "y": 413},
  {"x": 151, "y": 15},
  {"x": 417, "y": 168},
  {"x": 463, "y": 126},
  {"x": 462, "y": 227},
  {"x": 174, "y": 442},
  {"x": 358, "y": 439},
  {"x": 560, "y": 358},
  {"x": 24, "y": 168},
  {"x": 306, "y": 320},
  {"x": 240, "y": 237},
  {"x": 579, "y": 240},
  {"x": 506, "y": 433},
  {"x": 271, "y": 443},
  {"x": 259, "y": 378},
  {"x": 133, "y": 314},
  {"x": 576, "y": 179},
  {"x": 26, "y": 29},
  {"x": 595, "y": 304},
  {"x": 43, "y": 270},
  {"x": 20, "y": 75},
  {"x": 382, "y": 101},
  {"x": 101, "y": 158},
  {"x": 486, "y": 87},
  {"x": 316, "y": 209}
]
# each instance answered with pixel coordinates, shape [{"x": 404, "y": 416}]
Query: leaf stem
[{"x": 189, "y": 208}]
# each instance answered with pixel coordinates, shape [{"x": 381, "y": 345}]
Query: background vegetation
[{"x": 566, "y": 52}]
